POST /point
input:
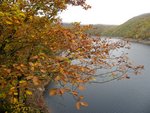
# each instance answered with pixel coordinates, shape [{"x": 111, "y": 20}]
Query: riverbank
[{"x": 142, "y": 41}]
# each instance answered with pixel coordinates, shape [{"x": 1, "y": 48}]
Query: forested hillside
[
  {"x": 99, "y": 29},
  {"x": 137, "y": 27}
]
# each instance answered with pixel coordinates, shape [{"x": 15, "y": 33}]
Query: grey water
[{"x": 118, "y": 96}]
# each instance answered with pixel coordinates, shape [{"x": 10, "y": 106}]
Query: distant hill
[
  {"x": 137, "y": 27},
  {"x": 99, "y": 29}
]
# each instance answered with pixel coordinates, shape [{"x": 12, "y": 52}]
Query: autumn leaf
[
  {"x": 81, "y": 88},
  {"x": 85, "y": 104},
  {"x": 12, "y": 88},
  {"x": 81, "y": 97},
  {"x": 75, "y": 93},
  {"x": 22, "y": 81},
  {"x": 57, "y": 78},
  {"x": 29, "y": 77},
  {"x": 43, "y": 71},
  {"x": 8, "y": 70},
  {"x": 15, "y": 100},
  {"x": 8, "y": 22},
  {"x": 61, "y": 91},
  {"x": 36, "y": 81},
  {"x": 53, "y": 92},
  {"x": 78, "y": 105},
  {"x": 28, "y": 92},
  {"x": 32, "y": 68},
  {"x": 15, "y": 93},
  {"x": 34, "y": 57}
]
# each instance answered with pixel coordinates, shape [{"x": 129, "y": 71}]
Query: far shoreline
[
  {"x": 146, "y": 42},
  {"x": 141, "y": 41}
]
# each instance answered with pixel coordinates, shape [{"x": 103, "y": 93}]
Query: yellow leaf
[
  {"x": 15, "y": 100},
  {"x": 93, "y": 78},
  {"x": 12, "y": 88},
  {"x": 22, "y": 81},
  {"x": 73, "y": 41},
  {"x": 2, "y": 14},
  {"x": 15, "y": 93},
  {"x": 28, "y": 92},
  {"x": 22, "y": 14},
  {"x": 8, "y": 22},
  {"x": 57, "y": 78}
]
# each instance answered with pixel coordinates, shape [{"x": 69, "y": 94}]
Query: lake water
[{"x": 119, "y": 96}]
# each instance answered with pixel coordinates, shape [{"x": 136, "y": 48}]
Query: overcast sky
[{"x": 106, "y": 11}]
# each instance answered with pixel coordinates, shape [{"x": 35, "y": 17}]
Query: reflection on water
[{"x": 123, "y": 96}]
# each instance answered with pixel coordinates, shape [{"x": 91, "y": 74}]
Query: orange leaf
[
  {"x": 32, "y": 68},
  {"x": 85, "y": 104},
  {"x": 81, "y": 88},
  {"x": 81, "y": 97},
  {"x": 78, "y": 105},
  {"x": 67, "y": 89},
  {"x": 36, "y": 81},
  {"x": 34, "y": 57},
  {"x": 53, "y": 92},
  {"x": 43, "y": 71},
  {"x": 75, "y": 93},
  {"x": 8, "y": 70},
  {"x": 61, "y": 91},
  {"x": 57, "y": 78},
  {"x": 29, "y": 77}
]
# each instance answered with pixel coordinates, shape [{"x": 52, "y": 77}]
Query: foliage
[{"x": 33, "y": 47}]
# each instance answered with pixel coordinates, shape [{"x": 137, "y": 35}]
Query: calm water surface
[{"x": 123, "y": 96}]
